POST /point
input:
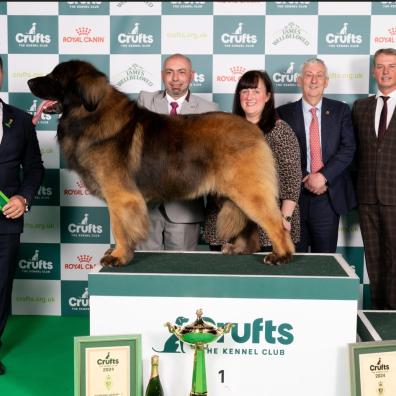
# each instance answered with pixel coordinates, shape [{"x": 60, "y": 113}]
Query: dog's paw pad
[
  {"x": 276, "y": 259},
  {"x": 110, "y": 261}
]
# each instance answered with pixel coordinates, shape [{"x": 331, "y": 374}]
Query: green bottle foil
[{"x": 154, "y": 387}]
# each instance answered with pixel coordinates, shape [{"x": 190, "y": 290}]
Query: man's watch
[
  {"x": 27, "y": 207},
  {"x": 287, "y": 218}
]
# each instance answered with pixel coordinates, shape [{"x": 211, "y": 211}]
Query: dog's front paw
[
  {"x": 111, "y": 261},
  {"x": 276, "y": 259}
]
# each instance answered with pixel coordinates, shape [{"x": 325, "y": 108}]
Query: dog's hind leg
[
  {"x": 129, "y": 223},
  {"x": 232, "y": 225},
  {"x": 259, "y": 203},
  {"x": 247, "y": 241}
]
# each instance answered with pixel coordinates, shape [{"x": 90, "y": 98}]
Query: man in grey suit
[{"x": 175, "y": 225}]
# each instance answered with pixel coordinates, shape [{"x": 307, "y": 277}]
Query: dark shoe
[{"x": 2, "y": 369}]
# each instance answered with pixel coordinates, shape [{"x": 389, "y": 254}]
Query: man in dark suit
[
  {"x": 19, "y": 148},
  {"x": 326, "y": 137},
  {"x": 175, "y": 225},
  {"x": 375, "y": 124}
]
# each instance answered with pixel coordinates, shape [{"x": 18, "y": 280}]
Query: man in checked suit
[
  {"x": 175, "y": 225},
  {"x": 375, "y": 124},
  {"x": 327, "y": 143},
  {"x": 19, "y": 148}
]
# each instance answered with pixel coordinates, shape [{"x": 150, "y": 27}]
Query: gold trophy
[{"x": 198, "y": 334}]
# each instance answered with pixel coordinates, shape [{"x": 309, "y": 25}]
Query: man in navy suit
[
  {"x": 19, "y": 148},
  {"x": 325, "y": 133}
]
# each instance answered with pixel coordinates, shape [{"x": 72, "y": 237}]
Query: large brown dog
[{"x": 128, "y": 155}]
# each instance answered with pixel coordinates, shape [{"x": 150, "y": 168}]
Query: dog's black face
[{"x": 69, "y": 85}]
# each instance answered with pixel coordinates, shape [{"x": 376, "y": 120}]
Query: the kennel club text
[{"x": 257, "y": 332}]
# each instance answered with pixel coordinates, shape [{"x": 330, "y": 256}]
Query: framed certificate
[
  {"x": 108, "y": 365},
  {"x": 373, "y": 368}
]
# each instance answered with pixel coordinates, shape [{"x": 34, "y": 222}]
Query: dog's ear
[{"x": 91, "y": 89}]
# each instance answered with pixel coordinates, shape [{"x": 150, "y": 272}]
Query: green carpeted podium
[
  {"x": 376, "y": 325},
  {"x": 292, "y": 327}
]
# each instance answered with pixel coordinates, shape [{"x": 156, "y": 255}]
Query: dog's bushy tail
[{"x": 230, "y": 221}]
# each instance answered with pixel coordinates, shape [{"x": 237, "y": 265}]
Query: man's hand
[
  {"x": 15, "y": 207},
  {"x": 315, "y": 182}
]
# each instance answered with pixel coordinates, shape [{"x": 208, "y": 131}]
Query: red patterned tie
[
  {"x": 174, "y": 106},
  {"x": 314, "y": 143},
  {"x": 383, "y": 118}
]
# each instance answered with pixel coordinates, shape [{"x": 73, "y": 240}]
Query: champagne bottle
[{"x": 154, "y": 387}]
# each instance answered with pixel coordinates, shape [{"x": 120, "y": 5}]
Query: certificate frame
[
  {"x": 357, "y": 351},
  {"x": 120, "y": 356}
]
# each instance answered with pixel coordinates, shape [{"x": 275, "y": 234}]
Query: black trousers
[
  {"x": 319, "y": 224},
  {"x": 9, "y": 245}
]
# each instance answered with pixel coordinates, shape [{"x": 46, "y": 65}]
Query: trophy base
[{"x": 198, "y": 394}]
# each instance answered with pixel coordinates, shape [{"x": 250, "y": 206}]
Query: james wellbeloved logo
[
  {"x": 292, "y": 31},
  {"x": 344, "y": 34},
  {"x": 142, "y": 35},
  {"x": 134, "y": 72},
  {"x": 239, "y": 35},
  {"x": 85, "y": 225},
  {"x": 33, "y": 34},
  {"x": 259, "y": 337}
]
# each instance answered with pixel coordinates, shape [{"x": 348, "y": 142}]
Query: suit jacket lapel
[
  {"x": 190, "y": 106},
  {"x": 8, "y": 125},
  {"x": 160, "y": 103},
  {"x": 300, "y": 132},
  {"x": 371, "y": 116},
  {"x": 326, "y": 119}
]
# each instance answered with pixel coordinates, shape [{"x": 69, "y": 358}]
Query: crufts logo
[
  {"x": 35, "y": 263},
  {"x": 33, "y": 108},
  {"x": 288, "y": 77},
  {"x": 33, "y": 37},
  {"x": 135, "y": 37},
  {"x": 380, "y": 366},
  {"x": 238, "y": 37},
  {"x": 107, "y": 361},
  {"x": 258, "y": 332},
  {"x": 344, "y": 37},
  {"x": 80, "y": 303},
  {"x": 84, "y": 227}
]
